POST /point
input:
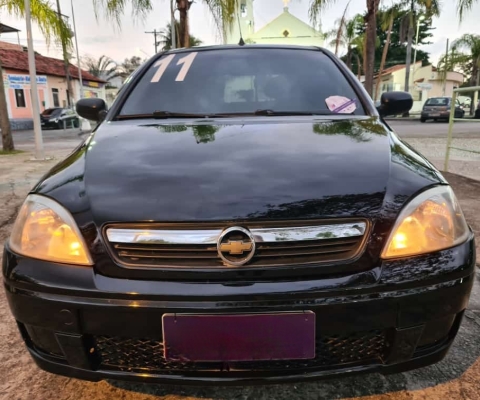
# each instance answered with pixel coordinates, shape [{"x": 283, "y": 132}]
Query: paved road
[{"x": 415, "y": 129}]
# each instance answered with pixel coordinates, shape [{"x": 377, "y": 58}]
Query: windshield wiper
[
  {"x": 168, "y": 114},
  {"x": 273, "y": 113}
]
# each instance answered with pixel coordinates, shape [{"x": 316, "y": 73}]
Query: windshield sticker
[
  {"x": 341, "y": 105},
  {"x": 187, "y": 63},
  {"x": 163, "y": 64}
]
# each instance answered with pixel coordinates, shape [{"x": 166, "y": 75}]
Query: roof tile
[{"x": 18, "y": 60}]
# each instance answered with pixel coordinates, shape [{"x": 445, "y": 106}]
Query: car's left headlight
[
  {"x": 45, "y": 230},
  {"x": 432, "y": 221}
]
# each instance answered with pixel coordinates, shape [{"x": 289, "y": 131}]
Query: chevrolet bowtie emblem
[{"x": 236, "y": 247}]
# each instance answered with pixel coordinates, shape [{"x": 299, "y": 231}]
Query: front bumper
[{"x": 407, "y": 319}]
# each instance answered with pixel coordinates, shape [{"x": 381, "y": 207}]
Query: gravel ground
[{"x": 456, "y": 377}]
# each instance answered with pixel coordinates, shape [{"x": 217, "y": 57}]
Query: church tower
[{"x": 244, "y": 22}]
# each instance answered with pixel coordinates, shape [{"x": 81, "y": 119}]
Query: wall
[
  {"x": 14, "y": 80},
  {"x": 57, "y": 82},
  {"x": 300, "y": 41}
]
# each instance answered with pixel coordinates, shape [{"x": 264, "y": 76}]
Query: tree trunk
[
  {"x": 359, "y": 67},
  {"x": 384, "y": 57},
  {"x": 364, "y": 56},
  {"x": 411, "y": 32},
  {"x": 7, "y": 140},
  {"x": 371, "y": 38},
  {"x": 183, "y": 7},
  {"x": 349, "y": 57}
]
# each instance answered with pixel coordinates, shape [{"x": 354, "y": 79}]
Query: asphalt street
[{"x": 413, "y": 128}]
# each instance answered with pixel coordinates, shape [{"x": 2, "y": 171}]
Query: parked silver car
[{"x": 439, "y": 108}]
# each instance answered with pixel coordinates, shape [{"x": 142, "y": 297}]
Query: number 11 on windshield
[{"x": 163, "y": 64}]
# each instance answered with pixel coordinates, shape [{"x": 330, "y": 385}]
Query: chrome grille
[{"x": 165, "y": 246}]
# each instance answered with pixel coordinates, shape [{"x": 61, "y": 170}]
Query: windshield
[
  {"x": 51, "y": 111},
  {"x": 244, "y": 80},
  {"x": 440, "y": 101}
]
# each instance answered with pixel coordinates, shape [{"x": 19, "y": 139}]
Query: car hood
[{"x": 259, "y": 168}]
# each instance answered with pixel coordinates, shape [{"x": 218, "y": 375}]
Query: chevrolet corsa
[{"x": 242, "y": 214}]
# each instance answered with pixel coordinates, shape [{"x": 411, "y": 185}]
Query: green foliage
[
  {"x": 104, "y": 67},
  {"x": 222, "y": 11},
  {"x": 51, "y": 25},
  {"x": 166, "y": 37},
  {"x": 463, "y": 6},
  {"x": 464, "y": 57},
  {"x": 397, "y": 52}
]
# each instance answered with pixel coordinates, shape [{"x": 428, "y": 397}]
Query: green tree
[
  {"x": 51, "y": 26},
  {"x": 397, "y": 50},
  {"x": 387, "y": 19},
  {"x": 128, "y": 66},
  {"x": 463, "y": 6},
  {"x": 370, "y": 34},
  {"x": 471, "y": 44},
  {"x": 414, "y": 9},
  {"x": 103, "y": 67},
  {"x": 166, "y": 38},
  {"x": 223, "y": 12},
  {"x": 344, "y": 34}
]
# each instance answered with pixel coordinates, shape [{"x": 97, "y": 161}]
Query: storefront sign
[
  {"x": 91, "y": 84},
  {"x": 20, "y": 81}
]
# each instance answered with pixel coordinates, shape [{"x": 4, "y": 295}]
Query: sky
[{"x": 99, "y": 37}]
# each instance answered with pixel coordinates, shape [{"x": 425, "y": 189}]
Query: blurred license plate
[
  {"x": 242, "y": 337},
  {"x": 435, "y": 115}
]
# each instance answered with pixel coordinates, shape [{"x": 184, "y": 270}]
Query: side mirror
[
  {"x": 92, "y": 109},
  {"x": 395, "y": 103}
]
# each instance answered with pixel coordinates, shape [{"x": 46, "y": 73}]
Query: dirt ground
[{"x": 456, "y": 377}]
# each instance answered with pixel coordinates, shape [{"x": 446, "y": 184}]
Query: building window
[
  {"x": 243, "y": 9},
  {"x": 20, "y": 98},
  {"x": 56, "y": 99}
]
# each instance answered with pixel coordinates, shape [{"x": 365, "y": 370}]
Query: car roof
[{"x": 244, "y": 47}]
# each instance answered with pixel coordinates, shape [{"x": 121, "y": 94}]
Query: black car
[
  {"x": 59, "y": 118},
  {"x": 242, "y": 215},
  {"x": 438, "y": 108}
]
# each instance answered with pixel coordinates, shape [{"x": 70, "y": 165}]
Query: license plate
[
  {"x": 435, "y": 115},
  {"x": 242, "y": 337}
]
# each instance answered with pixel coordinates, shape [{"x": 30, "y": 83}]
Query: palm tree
[
  {"x": 52, "y": 27},
  {"x": 339, "y": 32},
  {"x": 223, "y": 12},
  {"x": 414, "y": 9},
  {"x": 128, "y": 67},
  {"x": 166, "y": 38},
  {"x": 471, "y": 43},
  {"x": 316, "y": 6},
  {"x": 387, "y": 18},
  {"x": 463, "y": 6},
  {"x": 345, "y": 34},
  {"x": 104, "y": 67}
]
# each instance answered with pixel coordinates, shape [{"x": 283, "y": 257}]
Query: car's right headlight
[
  {"x": 45, "y": 230},
  {"x": 432, "y": 221}
]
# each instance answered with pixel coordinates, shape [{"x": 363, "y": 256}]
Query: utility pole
[
  {"x": 155, "y": 34},
  {"x": 78, "y": 55},
  {"x": 39, "y": 154},
  {"x": 66, "y": 62},
  {"x": 446, "y": 68}
]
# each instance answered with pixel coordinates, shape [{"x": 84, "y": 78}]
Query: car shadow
[{"x": 464, "y": 353}]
